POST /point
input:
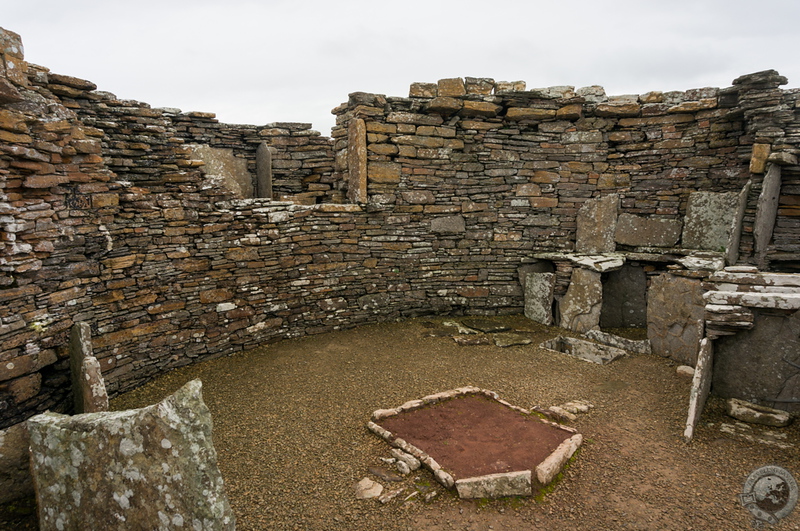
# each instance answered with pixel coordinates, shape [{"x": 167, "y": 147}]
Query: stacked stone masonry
[{"x": 423, "y": 204}]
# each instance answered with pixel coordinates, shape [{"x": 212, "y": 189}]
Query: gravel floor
[{"x": 289, "y": 429}]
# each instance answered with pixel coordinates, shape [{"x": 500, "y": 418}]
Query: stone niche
[
  {"x": 761, "y": 365},
  {"x": 624, "y": 297}
]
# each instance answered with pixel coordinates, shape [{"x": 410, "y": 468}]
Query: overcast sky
[{"x": 258, "y": 62}]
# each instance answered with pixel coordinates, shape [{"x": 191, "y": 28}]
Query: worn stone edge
[{"x": 560, "y": 456}]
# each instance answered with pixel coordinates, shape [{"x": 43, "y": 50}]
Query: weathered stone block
[
  {"x": 448, "y": 224},
  {"x": 480, "y": 108},
  {"x": 710, "y": 220},
  {"x": 149, "y": 468},
  {"x": 539, "y": 294},
  {"x": 452, "y": 87},
  {"x": 756, "y": 414},
  {"x": 224, "y": 168},
  {"x": 479, "y": 85},
  {"x": 675, "y": 309},
  {"x": 758, "y": 159},
  {"x": 597, "y": 222},
  {"x": 445, "y": 106},
  {"x": 423, "y": 90},
  {"x": 384, "y": 172},
  {"x": 529, "y": 113},
  {"x": 548, "y": 469},
  {"x": 760, "y": 365},
  {"x": 580, "y": 307},
  {"x": 495, "y": 485},
  {"x": 640, "y": 231}
]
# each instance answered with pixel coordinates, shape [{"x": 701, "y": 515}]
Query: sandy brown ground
[{"x": 289, "y": 429}]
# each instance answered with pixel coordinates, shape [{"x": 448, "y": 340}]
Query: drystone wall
[{"x": 109, "y": 216}]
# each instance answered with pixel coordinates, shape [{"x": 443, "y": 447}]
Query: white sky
[{"x": 257, "y": 62}]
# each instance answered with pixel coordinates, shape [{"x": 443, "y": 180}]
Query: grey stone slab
[
  {"x": 496, "y": 485},
  {"x": 761, "y": 365},
  {"x": 631, "y": 345},
  {"x": 539, "y": 294},
  {"x": 264, "y": 171},
  {"x": 756, "y": 414},
  {"x": 675, "y": 312},
  {"x": 149, "y": 468},
  {"x": 580, "y": 307},
  {"x": 641, "y": 231},
  {"x": 448, "y": 224},
  {"x": 701, "y": 385},
  {"x": 225, "y": 169},
  {"x": 709, "y": 220},
  {"x": 766, "y": 212},
  {"x": 584, "y": 350},
  {"x": 597, "y": 222}
]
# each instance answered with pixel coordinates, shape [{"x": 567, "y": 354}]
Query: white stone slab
[
  {"x": 701, "y": 385},
  {"x": 496, "y": 485}
]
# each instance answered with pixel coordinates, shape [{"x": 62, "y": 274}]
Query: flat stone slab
[
  {"x": 486, "y": 326},
  {"x": 641, "y": 346},
  {"x": 755, "y": 414},
  {"x": 496, "y": 485},
  {"x": 584, "y": 350}
]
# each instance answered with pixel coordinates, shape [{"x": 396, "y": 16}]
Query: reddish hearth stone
[{"x": 482, "y": 445}]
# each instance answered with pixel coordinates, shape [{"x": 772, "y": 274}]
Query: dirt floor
[{"x": 289, "y": 429}]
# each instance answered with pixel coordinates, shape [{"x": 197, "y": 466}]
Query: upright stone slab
[
  {"x": 701, "y": 385},
  {"x": 675, "y": 311},
  {"x": 761, "y": 364},
  {"x": 149, "y": 468},
  {"x": 264, "y": 171},
  {"x": 766, "y": 212},
  {"x": 357, "y": 161},
  {"x": 222, "y": 167},
  {"x": 539, "y": 292},
  {"x": 88, "y": 387},
  {"x": 709, "y": 220},
  {"x": 580, "y": 307},
  {"x": 597, "y": 223}
]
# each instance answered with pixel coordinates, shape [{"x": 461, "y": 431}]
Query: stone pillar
[
  {"x": 357, "y": 161},
  {"x": 766, "y": 212},
  {"x": 264, "y": 171},
  {"x": 539, "y": 289},
  {"x": 580, "y": 307},
  {"x": 88, "y": 388}
]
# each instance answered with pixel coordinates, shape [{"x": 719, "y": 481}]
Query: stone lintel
[{"x": 781, "y": 301}]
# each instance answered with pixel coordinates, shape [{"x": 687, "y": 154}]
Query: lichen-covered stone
[
  {"x": 495, "y": 485},
  {"x": 149, "y": 468},
  {"x": 597, "y": 222},
  {"x": 580, "y": 307},
  {"x": 675, "y": 309}
]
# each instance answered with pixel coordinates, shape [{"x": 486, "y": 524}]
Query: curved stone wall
[{"x": 108, "y": 219}]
